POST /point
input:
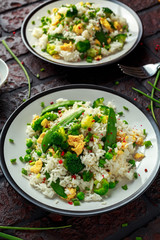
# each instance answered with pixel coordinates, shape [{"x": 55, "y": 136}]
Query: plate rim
[
  {"x": 66, "y": 212},
  {"x": 98, "y": 64}
]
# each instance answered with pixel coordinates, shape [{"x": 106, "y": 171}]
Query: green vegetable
[
  {"x": 21, "y": 65},
  {"x": 132, "y": 162},
  {"x": 88, "y": 137},
  {"x": 108, "y": 155},
  {"x": 31, "y": 228},
  {"x": 13, "y": 160},
  {"x": 147, "y": 144},
  {"x": 107, "y": 11},
  {"x": 58, "y": 137},
  {"x": 47, "y": 175},
  {"x": 125, "y": 121},
  {"x": 27, "y": 157},
  {"x": 98, "y": 102},
  {"x": 36, "y": 125},
  {"x": 102, "y": 161},
  {"x": 124, "y": 224},
  {"x": 24, "y": 171},
  {"x": 47, "y": 140},
  {"x": 59, "y": 36},
  {"x": 125, "y": 108},
  {"x": 92, "y": 52},
  {"x": 55, "y": 107},
  {"x": 9, "y": 237},
  {"x": 125, "y": 187},
  {"x": 103, "y": 189},
  {"x": 83, "y": 46},
  {"x": 72, "y": 12},
  {"x": 29, "y": 142},
  {"x": 80, "y": 195},
  {"x": 50, "y": 49},
  {"x": 111, "y": 130},
  {"x": 135, "y": 175},
  {"x": 87, "y": 176},
  {"x": 74, "y": 129},
  {"x": 28, "y": 151},
  {"x": 101, "y": 36},
  {"x": 11, "y": 140},
  {"x": 112, "y": 184},
  {"x": 120, "y": 38},
  {"x": 73, "y": 163},
  {"x": 58, "y": 188},
  {"x": 76, "y": 203}
]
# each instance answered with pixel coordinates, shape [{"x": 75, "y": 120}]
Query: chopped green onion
[
  {"x": 11, "y": 140},
  {"x": 125, "y": 121},
  {"x": 42, "y": 104},
  {"x": 125, "y": 108},
  {"x": 13, "y": 160},
  {"x": 124, "y": 224},
  {"x": 31, "y": 228},
  {"x": 33, "y": 22},
  {"x": 21, "y": 65},
  {"x": 24, "y": 171},
  {"x": 120, "y": 113},
  {"x": 135, "y": 175}
]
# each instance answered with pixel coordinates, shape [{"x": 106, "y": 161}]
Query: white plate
[
  {"x": 135, "y": 28},
  {"x": 15, "y": 129},
  {"x": 4, "y": 70}
]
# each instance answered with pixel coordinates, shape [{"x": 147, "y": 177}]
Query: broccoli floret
[
  {"x": 87, "y": 176},
  {"x": 83, "y": 46},
  {"x": 36, "y": 125},
  {"x": 74, "y": 129},
  {"x": 50, "y": 49},
  {"x": 73, "y": 163},
  {"x": 87, "y": 122},
  {"x": 59, "y": 138},
  {"x": 92, "y": 52},
  {"x": 120, "y": 38},
  {"x": 98, "y": 102}
]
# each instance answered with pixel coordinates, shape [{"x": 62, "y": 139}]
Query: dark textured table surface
[{"x": 143, "y": 214}]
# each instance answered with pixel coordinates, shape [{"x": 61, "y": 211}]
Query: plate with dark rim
[
  {"x": 15, "y": 128},
  {"x": 134, "y": 35}
]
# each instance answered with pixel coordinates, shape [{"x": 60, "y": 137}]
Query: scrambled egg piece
[
  {"x": 139, "y": 156},
  {"x": 72, "y": 194},
  {"x": 139, "y": 141},
  {"x": 56, "y": 56},
  {"x": 106, "y": 24},
  {"x": 117, "y": 25},
  {"x": 67, "y": 47},
  {"x": 97, "y": 42},
  {"x": 56, "y": 19},
  {"x": 99, "y": 57},
  {"x": 39, "y": 140},
  {"x": 51, "y": 150},
  {"x": 45, "y": 123},
  {"x": 54, "y": 10},
  {"x": 37, "y": 166},
  {"x": 78, "y": 29},
  {"x": 77, "y": 143},
  {"x": 35, "y": 118}
]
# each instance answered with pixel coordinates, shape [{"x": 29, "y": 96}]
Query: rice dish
[
  {"x": 81, "y": 31},
  {"x": 79, "y": 151}
]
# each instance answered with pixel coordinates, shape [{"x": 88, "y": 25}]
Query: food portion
[
  {"x": 80, "y": 150},
  {"x": 82, "y": 31}
]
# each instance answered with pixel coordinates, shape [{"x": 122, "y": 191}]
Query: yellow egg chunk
[
  {"x": 45, "y": 123},
  {"x": 106, "y": 24},
  {"x": 78, "y": 29},
  {"x": 39, "y": 140},
  {"x": 72, "y": 194},
  {"x": 67, "y": 47},
  {"x": 117, "y": 25},
  {"x": 77, "y": 143},
  {"x": 139, "y": 156},
  {"x": 56, "y": 19},
  {"x": 37, "y": 167}
]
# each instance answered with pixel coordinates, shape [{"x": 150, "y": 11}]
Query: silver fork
[{"x": 145, "y": 71}]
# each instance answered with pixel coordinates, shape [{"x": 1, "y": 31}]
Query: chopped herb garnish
[
  {"x": 33, "y": 22},
  {"x": 42, "y": 105},
  {"x": 125, "y": 108},
  {"x": 11, "y": 140},
  {"x": 125, "y": 187},
  {"x": 49, "y": 12},
  {"x": 24, "y": 171},
  {"x": 144, "y": 132},
  {"x": 124, "y": 224},
  {"x": 13, "y": 160},
  {"x": 125, "y": 121},
  {"x": 120, "y": 113}
]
